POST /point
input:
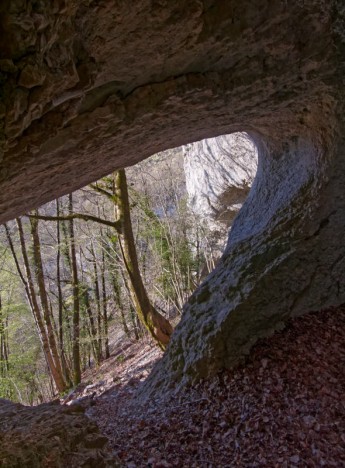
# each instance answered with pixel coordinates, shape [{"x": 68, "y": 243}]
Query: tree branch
[
  {"x": 81, "y": 216},
  {"x": 14, "y": 255},
  {"x": 103, "y": 192}
]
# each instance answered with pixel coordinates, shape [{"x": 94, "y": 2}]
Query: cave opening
[
  {"x": 196, "y": 191},
  {"x": 88, "y": 88},
  {"x": 182, "y": 203}
]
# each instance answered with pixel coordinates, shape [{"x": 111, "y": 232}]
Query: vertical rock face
[
  {"x": 88, "y": 87},
  {"x": 219, "y": 173}
]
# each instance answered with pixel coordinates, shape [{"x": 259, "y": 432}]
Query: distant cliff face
[{"x": 219, "y": 173}]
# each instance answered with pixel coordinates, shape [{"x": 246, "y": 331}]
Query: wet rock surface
[{"x": 51, "y": 435}]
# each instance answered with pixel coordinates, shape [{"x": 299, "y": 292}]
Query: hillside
[{"x": 283, "y": 408}]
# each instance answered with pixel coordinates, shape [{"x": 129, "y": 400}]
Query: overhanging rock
[{"x": 91, "y": 86}]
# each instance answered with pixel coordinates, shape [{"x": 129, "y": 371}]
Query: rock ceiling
[{"x": 89, "y": 86}]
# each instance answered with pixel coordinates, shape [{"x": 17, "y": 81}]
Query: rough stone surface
[
  {"x": 219, "y": 173},
  {"x": 50, "y": 435},
  {"x": 105, "y": 85}
]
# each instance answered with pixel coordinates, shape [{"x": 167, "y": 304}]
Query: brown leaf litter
[{"x": 284, "y": 408}]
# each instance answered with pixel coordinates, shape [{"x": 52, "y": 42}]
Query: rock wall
[
  {"x": 90, "y": 86},
  {"x": 219, "y": 173}
]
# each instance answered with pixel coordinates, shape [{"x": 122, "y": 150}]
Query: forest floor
[{"x": 284, "y": 408}]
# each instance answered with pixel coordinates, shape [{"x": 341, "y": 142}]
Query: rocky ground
[{"x": 284, "y": 408}]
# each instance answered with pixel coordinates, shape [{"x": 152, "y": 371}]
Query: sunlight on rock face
[{"x": 219, "y": 173}]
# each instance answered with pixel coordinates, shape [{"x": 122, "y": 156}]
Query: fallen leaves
[{"x": 284, "y": 408}]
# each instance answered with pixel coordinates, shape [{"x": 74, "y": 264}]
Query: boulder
[{"x": 50, "y": 435}]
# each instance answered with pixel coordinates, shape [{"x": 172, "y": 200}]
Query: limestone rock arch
[{"x": 91, "y": 86}]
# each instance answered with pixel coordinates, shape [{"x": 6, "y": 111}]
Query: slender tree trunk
[
  {"x": 4, "y": 367},
  {"x": 98, "y": 301},
  {"x": 66, "y": 256},
  {"x": 58, "y": 277},
  {"x": 32, "y": 299},
  {"x": 116, "y": 287},
  {"x": 135, "y": 323},
  {"x": 93, "y": 330},
  {"x": 157, "y": 325},
  {"x": 33, "y": 302},
  {"x": 118, "y": 299},
  {"x": 105, "y": 308},
  {"x": 76, "y": 305},
  {"x": 134, "y": 317},
  {"x": 6, "y": 345},
  {"x": 37, "y": 258}
]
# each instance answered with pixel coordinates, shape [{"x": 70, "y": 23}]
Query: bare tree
[{"x": 76, "y": 303}]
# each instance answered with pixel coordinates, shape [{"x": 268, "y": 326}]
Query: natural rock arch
[
  {"x": 88, "y": 87},
  {"x": 284, "y": 257}
]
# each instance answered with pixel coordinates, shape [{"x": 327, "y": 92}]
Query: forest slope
[{"x": 283, "y": 408}]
